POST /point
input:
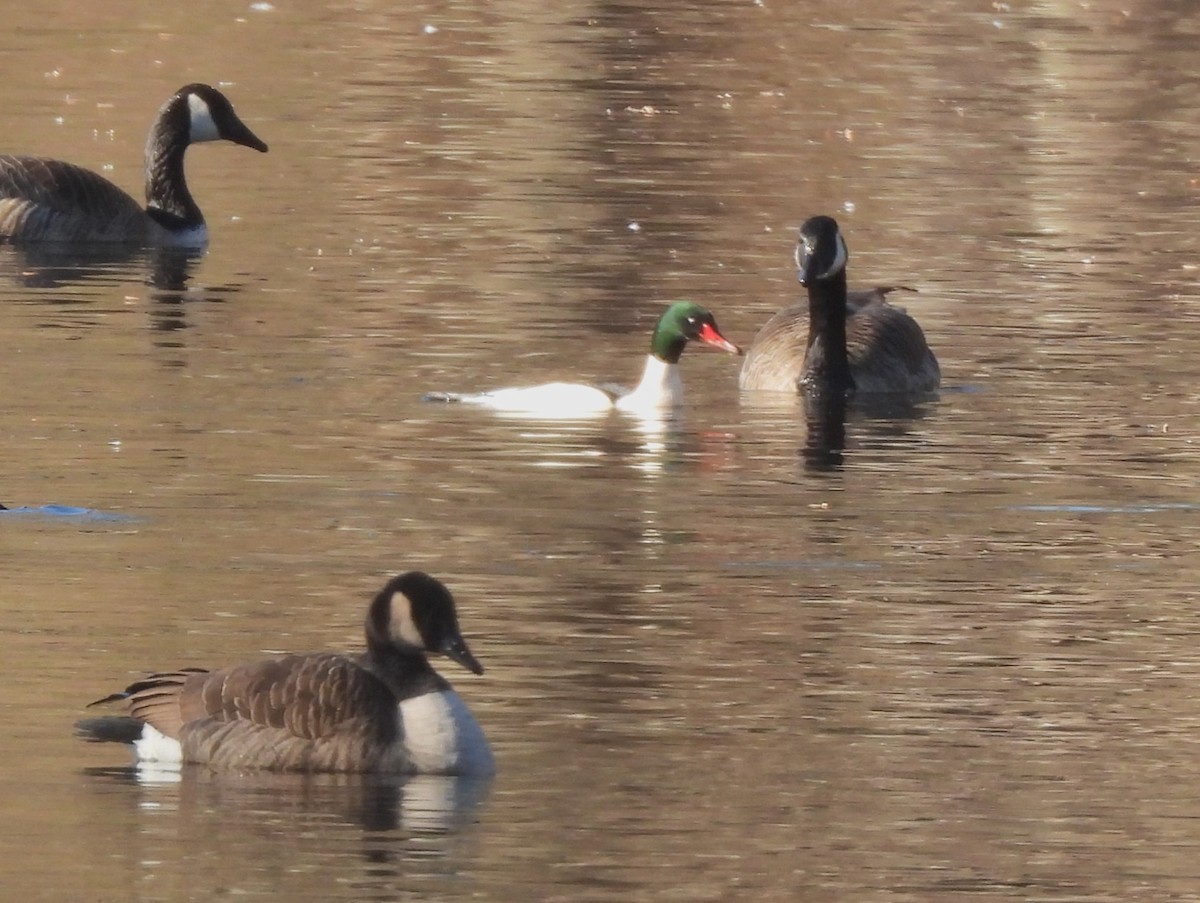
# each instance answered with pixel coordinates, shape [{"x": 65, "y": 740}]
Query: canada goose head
[
  {"x": 205, "y": 114},
  {"x": 821, "y": 251},
  {"x": 683, "y": 322},
  {"x": 415, "y": 612}
]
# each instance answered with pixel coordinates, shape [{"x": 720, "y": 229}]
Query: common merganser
[{"x": 660, "y": 387}]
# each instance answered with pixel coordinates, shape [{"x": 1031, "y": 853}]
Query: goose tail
[{"x": 109, "y": 729}]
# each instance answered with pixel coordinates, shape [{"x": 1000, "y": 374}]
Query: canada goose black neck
[
  {"x": 821, "y": 257},
  {"x": 168, "y": 201},
  {"x": 828, "y": 362}
]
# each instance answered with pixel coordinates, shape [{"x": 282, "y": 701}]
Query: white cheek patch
[
  {"x": 839, "y": 262},
  {"x": 403, "y": 626},
  {"x": 203, "y": 128}
]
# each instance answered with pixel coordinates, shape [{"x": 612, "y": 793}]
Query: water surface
[{"x": 727, "y": 658}]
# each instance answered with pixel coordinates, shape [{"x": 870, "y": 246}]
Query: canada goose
[
  {"x": 659, "y": 388},
  {"x": 839, "y": 341},
  {"x": 384, "y": 710},
  {"x": 45, "y": 200}
]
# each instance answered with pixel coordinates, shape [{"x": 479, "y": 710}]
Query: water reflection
[
  {"x": 825, "y": 421},
  {"x": 55, "y": 265},
  {"x": 650, "y": 442},
  {"x": 961, "y": 633},
  {"x": 80, "y": 274},
  {"x": 428, "y": 804},
  {"x": 837, "y": 425}
]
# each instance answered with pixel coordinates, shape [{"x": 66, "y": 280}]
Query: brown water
[{"x": 721, "y": 665}]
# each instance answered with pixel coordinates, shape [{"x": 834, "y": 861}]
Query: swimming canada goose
[
  {"x": 839, "y": 341},
  {"x": 384, "y": 710},
  {"x": 659, "y": 388},
  {"x": 45, "y": 200}
]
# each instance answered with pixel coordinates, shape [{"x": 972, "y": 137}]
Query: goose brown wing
[
  {"x": 308, "y": 697},
  {"x": 41, "y": 198},
  {"x": 888, "y": 347},
  {"x": 63, "y": 186},
  {"x": 859, "y": 298},
  {"x": 775, "y": 359}
]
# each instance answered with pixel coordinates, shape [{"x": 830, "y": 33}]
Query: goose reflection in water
[
  {"x": 428, "y": 804},
  {"x": 59, "y": 265},
  {"x": 167, "y": 270},
  {"x": 836, "y": 423},
  {"x": 825, "y": 438}
]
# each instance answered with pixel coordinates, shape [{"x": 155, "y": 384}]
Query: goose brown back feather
[
  {"x": 49, "y": 200},
  {"x": 886, "y": 347},
  {"x": 295, "y": 713}
]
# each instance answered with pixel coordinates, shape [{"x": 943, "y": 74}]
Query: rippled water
[{"x": 728, "y": 656}]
